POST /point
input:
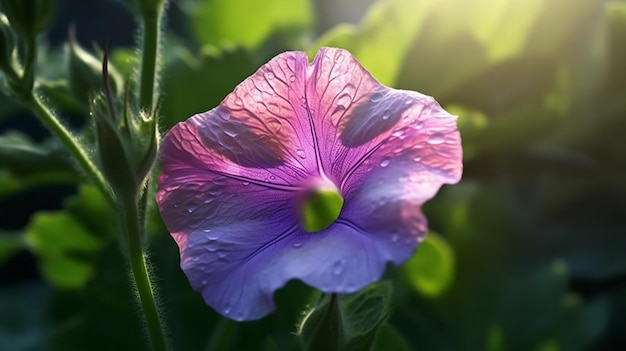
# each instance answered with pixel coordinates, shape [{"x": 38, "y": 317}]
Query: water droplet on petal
[
  {"x": 269, "y": 75},
  {"x": 297, "y": 245},
  {"x": 385, "y": 162},
  {"x": 227, "y": 309},
  {"x": 376, "y": 97},
  {"x": 272, "y": 177},
  {"x": 338, "y": 267},
  {"x": 408, "y": 102},
  {"x": 418, "y": 125},
  {"x": 245, "y": 183},
  {"x": 436, "y": 138},
  {"x": 300, "y": 153},
  {"x": 417, "y": 158},
  {"x": 386, "y": 115},
  {"x": 292, "y": 78}
]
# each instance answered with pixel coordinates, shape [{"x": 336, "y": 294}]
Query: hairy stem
[
  {"x": 70, "y": 143},
  {"x": 133, "y": 227},
  {"x": 149, "y": 57}
]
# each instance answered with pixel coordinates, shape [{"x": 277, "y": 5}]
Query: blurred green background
[{"x": 528, "y": 252}]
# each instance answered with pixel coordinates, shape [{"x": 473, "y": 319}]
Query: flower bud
[
  {"x": 85, "y": 73},
  {"x": 29, "y": 17},
  {"x": 7, "y": 44},
  {"x": 112, "y": 150}
]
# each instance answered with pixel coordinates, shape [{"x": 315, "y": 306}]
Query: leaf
[
  {"x": 199, "y": 84},
  {"x": 382, "y": 39},
  {"x": 431, "y": 270},
  {"x": 246, "y": 23},
  {"x": 22, "y": 157},
  {"x": 66, "y": 243},
  {"x": 347, "y": 322}
]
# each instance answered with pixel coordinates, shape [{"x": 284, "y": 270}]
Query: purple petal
[
  {"x": 232, "y": 178},
  {"x": 353, "y": 115},
  {"x": 238, "y": 267}
]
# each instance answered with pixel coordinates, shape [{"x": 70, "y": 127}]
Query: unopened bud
[{"x": 85, "y": 73}]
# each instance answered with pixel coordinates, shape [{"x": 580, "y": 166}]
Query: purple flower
[{"x": 235, "y": 180}]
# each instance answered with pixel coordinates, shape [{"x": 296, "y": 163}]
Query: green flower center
[{"x": 320, "y": 207}]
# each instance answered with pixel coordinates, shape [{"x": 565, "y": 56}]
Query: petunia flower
[{"x": 295, "y": 136}]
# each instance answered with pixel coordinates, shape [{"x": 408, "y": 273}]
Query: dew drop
[
  {"x": 338, "y": 267},
  {"x": 417, "y": 158},
  {"x": 221, "y": 254},
  {"x": 300, "y": 153},
  {"x": 191, "y": 208},
  {"x": 269, "y": 75},
  {"x": 245, "y": 183},
  {"x": 272, "y": 177},
  {"x": 386, "y": 115},
  {"x": 239, "y": 102},
  {"x": 292, "y": 78},
  {"x": 227, "y": 309},
  {"x": 398, "y": 134},
  {"x": 385, "y": 162},
  {"x": 436, "y": 139},
  {"x": 376, "y": 97},
  {"x": 297, "y": 245},
  {"x": 418, "y": 125},
  {"x": 408, "y": 102}
]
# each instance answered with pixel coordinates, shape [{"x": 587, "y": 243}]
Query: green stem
[
  {"x": 70, "y": 142},
  {"x": 28, "y": 78},
  {"x": 134, "y": 231},
  {"x": 149, "y": 56}
]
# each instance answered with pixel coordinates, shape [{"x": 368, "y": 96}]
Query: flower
[{"x": 236, "y": 179}]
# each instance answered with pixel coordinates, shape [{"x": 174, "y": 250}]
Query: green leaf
[
  {"x": 347, "y": 322},
  {"x": 363, "y": 313},
  {"x": 389, "y": 338},
  {"x": 198, "y": 84},
  {"x": 431, "y": 270},
  {"x": 22, "y": 157},
  {"x": 66, "y": 243},
  {"x": 382, "y": 39},
  {"x": 246, "y": 23}
]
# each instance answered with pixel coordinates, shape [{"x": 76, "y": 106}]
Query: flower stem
[
  {"x": 149, "y": 56},
  {"x": 70, "y": 142},
  {"x": 134, "y": 230}
]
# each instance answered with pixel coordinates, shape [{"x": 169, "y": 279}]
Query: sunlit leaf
[
  {"x": 431, "y": 270},
  {"x": 247, "y": 23}
]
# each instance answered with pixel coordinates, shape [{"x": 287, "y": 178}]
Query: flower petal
[
  {"x": 238, "y": 267},
  {"x": 354, "y": 115}
]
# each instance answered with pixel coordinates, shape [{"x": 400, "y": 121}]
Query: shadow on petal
[
  {"x": 238, "y": 142},
  {"x": 379, "y": 113}
]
